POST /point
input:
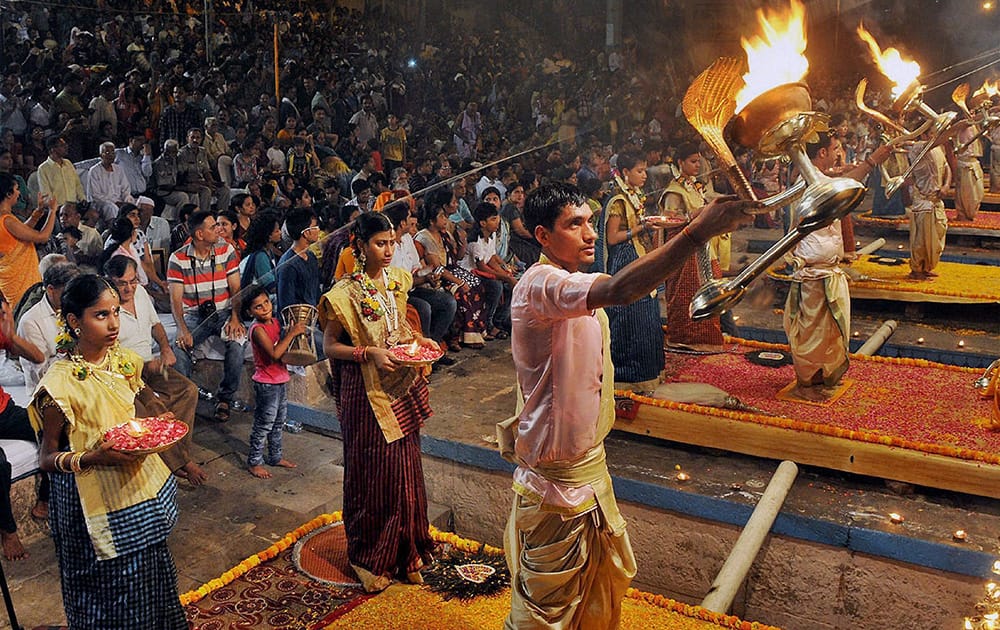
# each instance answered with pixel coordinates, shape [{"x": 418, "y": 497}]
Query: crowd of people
[{"x": 146, "y": 169}]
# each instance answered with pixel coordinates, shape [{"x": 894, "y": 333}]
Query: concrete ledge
[{"x": 896, "y": 547}]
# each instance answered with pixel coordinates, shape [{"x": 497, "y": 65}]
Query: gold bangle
[
  {"x": 75, "y": 463},
  {"x": 60, "y": 459}
]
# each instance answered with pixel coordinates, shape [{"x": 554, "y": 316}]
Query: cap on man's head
[{"x": 144, "y": 200}]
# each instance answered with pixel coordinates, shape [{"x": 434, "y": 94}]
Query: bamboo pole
[
  {"x": 277, "y": 80},
  {"x": 872, "y": 247},
  {"x": 737, "y": 565},
  {"x": 878, "y": 338}
]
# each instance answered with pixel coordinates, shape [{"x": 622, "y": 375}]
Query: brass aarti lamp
[{"x": 779, "y": 123}]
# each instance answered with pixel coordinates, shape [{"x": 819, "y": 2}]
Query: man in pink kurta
[{"x": 566, "y": 542}]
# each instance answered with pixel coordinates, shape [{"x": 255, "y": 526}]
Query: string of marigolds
[{"x": 987, "y": 609}]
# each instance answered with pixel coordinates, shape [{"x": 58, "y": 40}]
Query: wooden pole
[
  {"x": 277, "y": 80},
  {"x": 737, "y": 565},
  {"x": 871, "y": 248},
  {"x": 878, "y": 338}
]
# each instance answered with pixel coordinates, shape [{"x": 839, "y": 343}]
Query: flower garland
[
  {"x": 284, "y": 543},
  {"x": 371, "y": 308},
  {"x": 696, "y": 612},
  {"x": 462, "y": 544},
  {"x": 65, "y": 343},
  {"x": 692, "y": 184}
]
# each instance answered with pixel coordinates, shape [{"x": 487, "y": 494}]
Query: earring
[{"x": 76, "y": 331}]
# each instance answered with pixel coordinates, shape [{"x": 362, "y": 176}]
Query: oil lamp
[{"x": 773, "y": 116}]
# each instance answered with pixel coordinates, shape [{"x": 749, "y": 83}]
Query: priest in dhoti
[
  {"x": 928, "y": 220},
  {"x": 969, "y": 187},
  {"x": 817, "y": 318},
  {"x": 566, "y": 541}
]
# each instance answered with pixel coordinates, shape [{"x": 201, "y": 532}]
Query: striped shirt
[{"x": 205, "y": 278}]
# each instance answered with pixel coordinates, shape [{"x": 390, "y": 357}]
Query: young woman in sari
[
  {"x": 110, "y": 512},
  {"x": 381, "y": 405},
  {"x": 636, "y": 334},
  {"x": 683, "y": 199}
]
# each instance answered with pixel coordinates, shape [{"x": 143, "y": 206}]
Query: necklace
[{"x": 375, "y": 305}]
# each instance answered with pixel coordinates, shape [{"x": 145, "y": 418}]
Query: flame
[
  {"x": 135, "y": 429},
  {"x": 412, "y": 349},
  {"x": 778, "y": 56},
  {"x": 900, "y": 72},
  {"x": 989, "y": 88}
]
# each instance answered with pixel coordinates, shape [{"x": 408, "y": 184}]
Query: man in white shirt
[
  {"x": 108, "y": 187},
  {"x": 38, "y": 324},
  {"x": 490, "y": 178},
  {"x": 137, "y": 161},
  {"x": 365, "y": 123},
  {"x": 139, "y": 326},
  {"x": 156, "y": 229}
]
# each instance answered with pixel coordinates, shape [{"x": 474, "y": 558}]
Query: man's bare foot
[
  {"x": 193, "y": 473},
  {"x": 813, "y": 393},
  {"x": 259, "y": 472},
  {"x": 12, "y": 547},
  {"x": 931, "y": 274},
  {"x": 917, "y": 275},
  {"x": 284, "y": 463},
  {"x": 41, "y": 510}
]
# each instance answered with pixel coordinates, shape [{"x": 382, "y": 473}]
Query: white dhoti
[
  {"x": 817, "y": 321},
  {"x": 969, "y": 189},
  {"x": 995, "y": 168},
  {"x": 928, "y": 228}
]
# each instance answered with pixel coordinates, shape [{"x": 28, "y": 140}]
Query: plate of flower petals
[
  {"x": 414, "y": 354},
  {"x": 143, "y": 436}
]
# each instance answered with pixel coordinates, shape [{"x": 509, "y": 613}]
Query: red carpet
[
  {"x": 908, "y": 403},
  {"x": 984, "y": 220}
]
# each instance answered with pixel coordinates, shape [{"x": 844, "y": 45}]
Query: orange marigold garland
[
  {"x": 696, "y": 612},
  {"x": 284, "y": 543}
]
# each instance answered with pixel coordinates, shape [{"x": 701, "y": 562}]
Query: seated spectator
[
  {"x": 440, "y": 251},
  {"x": 482, "y": 259},
  {"x": 260, "y": 257},
  {"x": 435, "y": 305},
  {"x": 168, "y": 184},
  {"x": 156, "y": 229},
  {"x": 136, "y": 160},
  {"x": 57, "y": 176},
  {"x": 220, "y": 156},
  {"x": 14, "y": 425},
  {"x": 139, "y": 326},
  {"x": 245, "y": 207},
  {"x": 204, "y": 298},
  {"x": 196, "y": 175},
  {"x": 225, "y": 224},
  {"x": 181, "y": 234},
  {"x": 108, "y": 188},
  {"x": 302, "y": 160},
  {"x": 522, "y": 243},
  {"x": 38, "y": 324}
]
